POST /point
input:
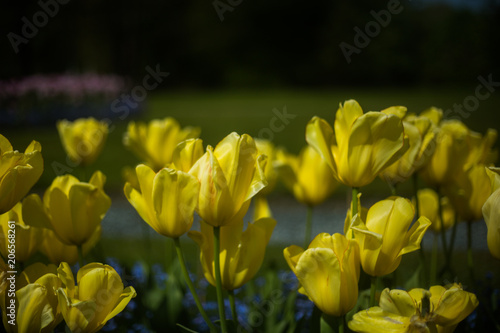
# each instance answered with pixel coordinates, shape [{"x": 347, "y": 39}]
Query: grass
[{"x": 219, "y": 113}]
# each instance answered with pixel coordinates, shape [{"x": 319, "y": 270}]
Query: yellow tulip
[
  {"x": 362, "y": 145},
  {"x": 72, "y": 209},
  {"x": 154, "y": 142},
  {"x": 83, "y": 139},
  {"x": 186, "y": 154},
  {"x": 428, "y": 201},
  {"x": 328, "y": 272},
  {"x": 26, "y": 240},
  {"x": 267, "y": 148},
  {"x": 386, "y": 235},
  {"x": 261, "y": 205},
  {"x": 18, "y": 172},
  {"x": 58, "y": 252},
  {"x": 166, "y": 200},
  {"x": 129, "y": 176},
  {"x": 438, "y": 309},
  {"x": 450, "y": 156},
  {"x": 99, "y": 296},
  {"x": 241, "y": 252},
  {"x": 469, "y": 193},
  {"x": 434, "y": 114},
  {"x": 494, "y": 175},
  {"x": 229, "y": 175},
  {"x": 421, "y": 134},
  {"x": 481, "y": 151},
  {"x": 491, "y": 213},
  {"x": 36, "y": 301},
  {"x": 308, "y": 176},
  {"x": 362, "y": 211}
]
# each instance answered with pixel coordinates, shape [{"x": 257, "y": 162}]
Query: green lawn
[{"x": 220, "y": 112}]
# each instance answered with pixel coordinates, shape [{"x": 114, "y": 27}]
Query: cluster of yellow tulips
[{"x": 178, "y": 177}]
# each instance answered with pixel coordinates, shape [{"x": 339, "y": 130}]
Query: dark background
[{"x": 259, "y": 44}]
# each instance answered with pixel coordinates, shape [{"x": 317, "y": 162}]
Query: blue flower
[
  {"x": 160, "y": 275},
  {"x": 113, "y": 262},
  {"x": 110, "y": 326},
  {"x": 139, "y": 273}
]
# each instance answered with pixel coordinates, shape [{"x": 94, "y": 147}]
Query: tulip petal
[
  {"x": 491, "y": 213},
  {"x": 259, "y": 180},
  {"x": 205, "y": 243},
  {"x": 251, "y": 250},
  {"x": 175, "y": 195},
  {"x": 98, "y": 179},
  {"x": 318, "y": 271},
  {"x": 344, "y": 118},
  {"x": 125, "y": 297},
  {"x": 32, "y": 313},
  {"x": 187, "y": 153},
  {"x": 66, "y": 275},
  {"x": 34, "y": 213},
  {"x": 237, "y": 156},
  {"x": 102, "y": 284},
  {"x": 414, "y": 236},
  {"x": 399, "y": 111},
  {"x": 376, "y": 320},
  {"x": 319, "y": 134},
  {"x": 454, "y": 306},
  {"x": 88, "y": 205},
  {"x": 398, "y": 302},
  {"x": 5, "y": 145},
  {"x": 292, "y": 255},
  {"x": 60, "y": 212},
  {"x": 215, "y": 204},
  {"x": 34, "y": 272},
  {"x": 375, "y": 142},
  {"x": 261, "y": 208},
  {"x": 136, "y": 199},
  {"x": 77, "y": 315}
]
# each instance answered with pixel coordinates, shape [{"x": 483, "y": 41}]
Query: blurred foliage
[
  {"x": 218, "y": 113},
  {"x": 259, "y": 43}
]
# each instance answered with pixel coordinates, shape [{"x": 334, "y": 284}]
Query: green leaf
[{"x": 184, "y": 328}]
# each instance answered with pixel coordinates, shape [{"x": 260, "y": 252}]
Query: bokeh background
[{"x": 233, "y": 65}]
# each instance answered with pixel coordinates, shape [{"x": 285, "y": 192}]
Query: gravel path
[{"x": 123, "y": 221}]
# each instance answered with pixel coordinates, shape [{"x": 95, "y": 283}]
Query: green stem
[
  {"x": 452, "y": 241},
  {"x": 373, "y": 290},
  {"x": 307, "y": 238},
  {"x": 218, "y": 280},
  {"x": 415, "y": 193},
  {"x": 354, "y": 201},
  {"x": 190, "y": 285},
  {"x": 441, "y": 226},
  {"x": 233, "y": 307},
  {"x": 331, "y": 324},
  {"x": 394, "y": 191},
  {"x": 81, "y": 262},
  {"x": 434, "y": 261},
  {"x": 417, "y": 214},
  {"x": 470, "y": 259}
]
